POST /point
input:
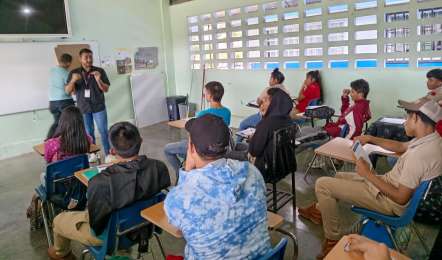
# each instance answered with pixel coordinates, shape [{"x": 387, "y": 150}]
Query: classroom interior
[{"x": 393, "y": 73}]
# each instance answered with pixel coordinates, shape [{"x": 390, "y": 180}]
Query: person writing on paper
[
  {"x": 58, "y": 98},
  {"x": 388, "y": 194},
  {"x": 89, "y": 84},
  {"x": 219, "y": 204},
  {"x": 276, "y": 80},
  {"x": 131, "y": 178}
]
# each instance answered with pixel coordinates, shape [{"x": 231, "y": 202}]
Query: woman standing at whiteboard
[{"x": 58, "y": 98}]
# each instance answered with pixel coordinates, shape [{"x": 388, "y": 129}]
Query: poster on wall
[
  {"x": 146, "y": 58},
  {"x": 124, "y": 61}
]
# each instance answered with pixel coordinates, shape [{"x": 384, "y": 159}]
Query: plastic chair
[
  {"x": 121, "y": 223},
  {"x": 277, "y": 253},
  {"x": 56, "y": 173},
  {"x": 381, "y": 228}
]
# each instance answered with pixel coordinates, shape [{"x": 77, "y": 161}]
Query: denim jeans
[
  {"x": 175, "y": 151},
  {"x": 249, "y": 122},
  {"x": 100, "y": 119},
  {"x": 56, "y": 107}
]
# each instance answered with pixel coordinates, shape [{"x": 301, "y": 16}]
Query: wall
[
  {"x": 387, "y": 85},
  {"x": 114, "y": 24}
]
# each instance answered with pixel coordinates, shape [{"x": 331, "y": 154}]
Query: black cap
[{"x": 209, "y": 134}]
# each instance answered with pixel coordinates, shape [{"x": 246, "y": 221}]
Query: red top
[{"x": 311, "y": 92}]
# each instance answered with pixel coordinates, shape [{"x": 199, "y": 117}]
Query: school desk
[
  {"x": 40, "y": 149},
  {"x": 337, "y": 148},
  {"x": 85, "y": 175},
  {"x": 178, "y": 123},
  {"x": 156, "y": 215},
  {"x": 338, "y": 253}
]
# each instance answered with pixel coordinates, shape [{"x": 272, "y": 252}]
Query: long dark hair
[
  {"x": 73, "y": 137},
  {"x": 278, "y": 76},
  {"x": 314, "y": 74}
]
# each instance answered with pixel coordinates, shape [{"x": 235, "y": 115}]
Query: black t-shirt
[{"x": 95, "y": 103}]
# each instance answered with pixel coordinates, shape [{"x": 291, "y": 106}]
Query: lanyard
[{"x": 87, "y": 76}]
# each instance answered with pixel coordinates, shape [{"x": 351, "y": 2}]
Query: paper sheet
[
  {"x": 391, "y": 120},
  {"x": 371, "y": 148},
  {"x": 246, "y": 133}
]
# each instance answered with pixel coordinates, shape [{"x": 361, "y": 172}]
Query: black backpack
[{"x": 430, "y": 209}]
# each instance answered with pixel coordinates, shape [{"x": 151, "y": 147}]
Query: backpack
[
  {"x": 430, "y": 209},
  {"x": 74, "y": 191},
  {"x": 322, "y": 112}
]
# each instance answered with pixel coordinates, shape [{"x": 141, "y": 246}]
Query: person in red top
[
  {"x": 352, "y": 119},
  {"x": 311, "y": 90}
]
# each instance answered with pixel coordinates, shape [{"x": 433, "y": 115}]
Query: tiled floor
[{"x": 20, "y": 175}]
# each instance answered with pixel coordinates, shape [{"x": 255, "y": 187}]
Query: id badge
[{"x": 87, "y": 93}]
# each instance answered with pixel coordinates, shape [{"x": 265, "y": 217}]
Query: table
[
  {"x": 80, "y": 174},
  {"x": 179, "y": 123},
  {"x": 338, "y": 253},
  {"x": 40, "y": 149},
  {"x": 157, "y": 216},
  {"x": 340, "y": 149}
]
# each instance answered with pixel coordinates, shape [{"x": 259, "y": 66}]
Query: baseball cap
[
  {"x": 428, "y": 107},
  {"x": 209, "y": 134}
]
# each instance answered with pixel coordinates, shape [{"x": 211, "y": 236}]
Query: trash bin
[{"x": 172, "y": 106}]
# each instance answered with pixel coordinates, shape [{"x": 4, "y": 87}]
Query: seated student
[
  {"x": 275, "y": 81},
  {"x": 390, "y": 193},
  {"x": 213, "y": 92},
  {"x": 434, "y": 84},
  {"x": 352, "y": 117},
  {"x": 311, "y": 90},
  {"x": 70, "y": 137},
  {"x": 275, "y": 108},
  {"x": 132, "y": 178},
  {"x": 219, "y": 204}
]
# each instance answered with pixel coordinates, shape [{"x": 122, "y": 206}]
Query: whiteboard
[
  {"x": 149, "y": 98},
  {"x": 24, "y": 74}
]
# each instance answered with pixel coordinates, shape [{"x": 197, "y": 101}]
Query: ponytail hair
[
  {"x": 278, "y": 76},
  {"x": 314, "y": 74}
]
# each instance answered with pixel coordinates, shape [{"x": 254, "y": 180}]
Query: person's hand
[
  {"x": 189, "y": 164},
  {"x": 97, "y": 75},
  {"x": 75, "y": 77},
  {"x": 345, "y": 92},
  {"x": 364, "y": 139},
  {"x": 367, "y": 247},
  {"x": 363, "y": 168}
]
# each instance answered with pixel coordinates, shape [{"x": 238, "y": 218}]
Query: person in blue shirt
[
  {"x": 58, "y": 98},
  {"x": 219, "y": 204},
  {"x": 213, "y": 93}
]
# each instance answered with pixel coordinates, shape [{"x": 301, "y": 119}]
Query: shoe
[
  {"x": 311, "y": 213},
  {"x": 53, "y": 255},
  {"x": 327, "y": 246}
]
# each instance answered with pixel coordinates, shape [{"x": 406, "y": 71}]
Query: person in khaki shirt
[
  {"x": 434, "y": 84},
  {"x": 388, "y": 194}
]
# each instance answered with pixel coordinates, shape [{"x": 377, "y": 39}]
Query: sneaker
[
  {"x": 53, "y": 255},
  {"x": 109, "y": 158},
  {"x": 93, "y": 158},
  {"x": 311, "y": 213}
]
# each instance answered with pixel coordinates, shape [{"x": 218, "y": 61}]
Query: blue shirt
[
  {"x": 221, "y": 211},
  {"x": 222, "y": 112},
  {"x": 58, "y": 80}
]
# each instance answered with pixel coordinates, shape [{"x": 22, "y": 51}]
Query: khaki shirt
[
  {"x": 421, "y": 162},
  {"x": 436, "y": 95},
  {"x": 264, "y": 92}
]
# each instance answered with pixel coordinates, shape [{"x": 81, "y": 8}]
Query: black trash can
[{"x": 172, "y": 106}]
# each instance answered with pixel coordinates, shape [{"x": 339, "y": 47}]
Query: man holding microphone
[{"x": 89, "y": 83}]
